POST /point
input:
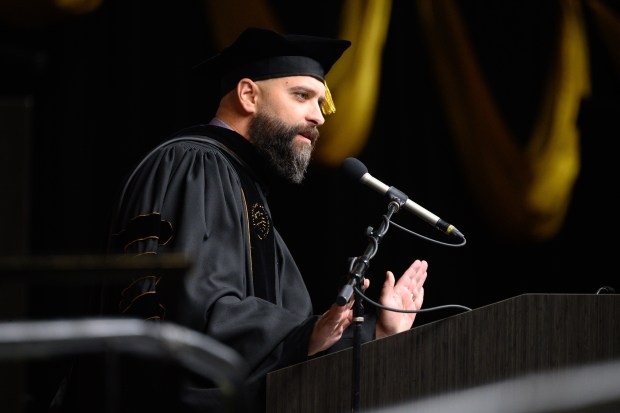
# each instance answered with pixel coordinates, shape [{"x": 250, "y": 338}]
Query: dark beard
[{"x": 274, "y": 139}]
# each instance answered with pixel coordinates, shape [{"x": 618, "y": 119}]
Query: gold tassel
[{"x": 328, "y": 107}]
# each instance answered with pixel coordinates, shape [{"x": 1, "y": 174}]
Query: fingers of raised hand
[
  {"x": 418, "y": 297},
  {"x": 418, "y": 276}
]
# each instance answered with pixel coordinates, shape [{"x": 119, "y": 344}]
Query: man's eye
[{"x": 302, "y": 95}]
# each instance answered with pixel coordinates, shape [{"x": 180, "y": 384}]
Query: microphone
[{"x": 357, "y": 171}]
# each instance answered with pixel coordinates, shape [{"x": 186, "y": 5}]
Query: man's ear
[{"x": 247, "y": 92}]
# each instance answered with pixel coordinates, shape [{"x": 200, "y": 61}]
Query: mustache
[{"x": 310, "y": 132}]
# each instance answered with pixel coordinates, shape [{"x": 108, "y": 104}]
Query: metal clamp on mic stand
[{"x": 358, "y": 268}]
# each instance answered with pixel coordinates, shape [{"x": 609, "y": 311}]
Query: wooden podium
[{"x": 525, "y": 334}]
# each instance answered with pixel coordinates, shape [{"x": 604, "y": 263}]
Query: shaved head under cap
[{"x": 260, "y": 54}]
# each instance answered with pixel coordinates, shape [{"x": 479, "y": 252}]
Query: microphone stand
[{"x": 358, "y": 268}]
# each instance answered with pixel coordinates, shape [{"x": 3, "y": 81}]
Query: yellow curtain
[
  {"x": 354, "y": 80},
  {"x": 524, "y": 193}
]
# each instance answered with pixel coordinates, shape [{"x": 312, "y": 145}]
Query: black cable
[
  {"x": 425, "y": 310},
  {"x": 447, "y": 244}
]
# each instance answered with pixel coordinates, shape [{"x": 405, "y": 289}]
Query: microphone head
[{"x": 354, "y": 168}]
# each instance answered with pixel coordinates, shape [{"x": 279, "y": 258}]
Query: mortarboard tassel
[{"x": 328, "y": 107}]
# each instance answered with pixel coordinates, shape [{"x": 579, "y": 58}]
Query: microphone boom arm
[{"x": 360, "y": 264}]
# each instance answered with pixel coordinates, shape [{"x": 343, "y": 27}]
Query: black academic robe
[{"x": 205, "y": 198}]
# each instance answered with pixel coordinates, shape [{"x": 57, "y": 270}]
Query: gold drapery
[{"x": 524, "y": 192}]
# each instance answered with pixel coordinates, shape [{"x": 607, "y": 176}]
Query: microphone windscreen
[{"x": 353, "y": 168}]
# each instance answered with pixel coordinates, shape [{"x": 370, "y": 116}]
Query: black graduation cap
[{"x": 261, "y": 54}]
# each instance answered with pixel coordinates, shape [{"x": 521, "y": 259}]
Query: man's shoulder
[
  {"x": 181, "y": 150},
  {"x": 208, "y": 135},
  {"x": 201, "y": 137}
]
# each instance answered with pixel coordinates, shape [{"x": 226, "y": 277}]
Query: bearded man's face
[{"x": 275, "y": 139}]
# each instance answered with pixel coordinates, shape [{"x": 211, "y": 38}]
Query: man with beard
[{"x": 203, "y": 193}]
